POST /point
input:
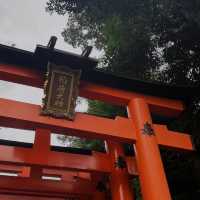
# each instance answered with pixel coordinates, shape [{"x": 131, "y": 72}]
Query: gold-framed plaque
[{"x": 60, "y": 91}]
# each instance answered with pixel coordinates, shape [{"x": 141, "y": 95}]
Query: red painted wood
[
  {"x": 78, "y": 187},
  {"x": 17, "y": 197},
  {"x": 119, "y": 178},
  {"x": 13, "y": 165},
  {"x": 150, "y": 167},
  {"x": 27, "y": 116},
  {"x": 35, "y": 78},
  {"x": 172, "y": 139},
  {"x": 31, "y": 196},
  {"x": 120, "y": 129},
  {"x": 84, "y": 125},
  {"x": 57, "y": 160}
]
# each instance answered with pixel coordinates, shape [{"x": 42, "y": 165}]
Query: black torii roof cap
[{"x": 43, "y": 54}]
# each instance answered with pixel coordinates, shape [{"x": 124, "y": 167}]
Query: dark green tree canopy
[
  {"x": 138, "y": 36},
  {"x": 147, "y": 39}
]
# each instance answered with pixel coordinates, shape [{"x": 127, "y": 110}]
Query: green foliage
[
  {"x": 136, "y": 187},
  {"x": 138, "y": 36},
  {"x": 95, "y": 145},
  {"x": 147, "y": 39},
  {"x": 101, "y": 109},
  {"x": 106, "y": 110}
]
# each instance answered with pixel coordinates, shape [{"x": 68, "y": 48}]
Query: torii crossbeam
[{"x": 142, "y": 100}]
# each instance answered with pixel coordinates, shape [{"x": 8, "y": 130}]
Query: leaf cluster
[{"x": 147, "y": 39}]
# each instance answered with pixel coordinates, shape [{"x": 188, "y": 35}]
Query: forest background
[{"x": 151, "y": 40}]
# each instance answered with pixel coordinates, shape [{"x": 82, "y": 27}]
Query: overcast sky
[{"x": 26, "y": 23}]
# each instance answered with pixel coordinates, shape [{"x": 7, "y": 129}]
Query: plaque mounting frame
[{"x": 61, "y": 88}]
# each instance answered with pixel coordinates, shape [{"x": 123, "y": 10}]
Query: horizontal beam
[
  {"x": 10, "y": 168},
  {"x": 120, "y": 129},
  {"x": 98, "y": 162},
  {"x": 22, "y": 195},
  {"x": 160, "y": 106},
  {"x": 67, "y": 175},
  {"x": 27, "y": 116},
  {"x": 172, "y": 139},
  {"x": 40, "y": 156},
  {"x": 79, "y": 187},
  {"x": 13, "y": 195},
  {"x": 26, "y": 76},
  {"x": 33, "y": 77},
  {"x": 63, "y": 174},
  {"x": 57, "y": 160}
]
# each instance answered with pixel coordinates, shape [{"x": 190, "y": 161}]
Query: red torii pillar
[
  {"x": 119, "y": 182},
  {"x": 152, "y": 177},
  {"x": 151, "y": 172},
  {"x": 100, "y": 193}
]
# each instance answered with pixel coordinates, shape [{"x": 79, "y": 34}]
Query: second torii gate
[{"x": 141, "y": 99}]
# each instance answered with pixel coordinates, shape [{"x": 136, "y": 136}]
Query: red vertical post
[
  {"x": 151, "y": 172},
  {"x": 42, "y": 141},
  {"x": 25, "y": 172},
  {"x": 100, "y": 193},
  {"x": 36, "y": 172},
  {"x": 119, "y": 182},
  {"x": 40, "y": 148}
]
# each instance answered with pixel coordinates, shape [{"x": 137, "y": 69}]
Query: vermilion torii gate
[{"x": 142, "y": 99}]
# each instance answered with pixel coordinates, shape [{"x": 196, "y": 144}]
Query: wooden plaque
[{"x": 61, "y": 91}]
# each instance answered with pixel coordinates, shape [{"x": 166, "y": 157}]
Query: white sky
[{"x": 26, "y": 23}]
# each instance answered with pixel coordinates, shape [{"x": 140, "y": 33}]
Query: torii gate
[{"x": 141, "y": 99}]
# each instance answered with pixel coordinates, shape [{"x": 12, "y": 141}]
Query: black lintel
[{"x": 43, "y": 55}]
